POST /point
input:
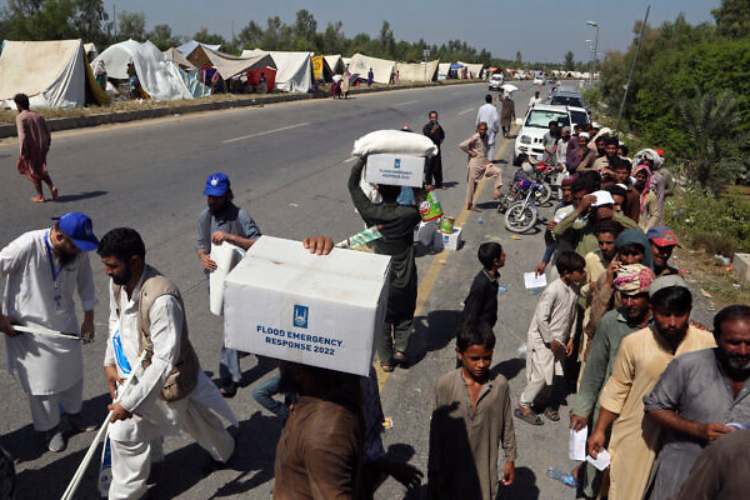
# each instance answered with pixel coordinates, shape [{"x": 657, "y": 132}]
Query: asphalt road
[{"x": 288, "y": 165}]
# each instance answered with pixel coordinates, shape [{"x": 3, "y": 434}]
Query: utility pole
[
  {"x": 594, "y": 24},
  {"x": 632, "y": 68},
  {"x": 114, "y": 19}
]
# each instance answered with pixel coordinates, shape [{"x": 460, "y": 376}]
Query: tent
[
  {"x": 443, "y": 70},
  {"x": 382, "y": 69},
  {"x": 159, "y": 78},
  {"x": 187, "y": 48},
  {"x": 178, "y": 58},
  {"x": 53, "y": 74},
  {"x": 347, "y": 61},
  {"x": 293, "y": 69},
  {"x": 226, "y": 65},
  {"x": 473, "y": 69},
  {"x": 90, "y": 49},
  {"x": 417, "y": 72},
  {"x": 336, "y": 63}
]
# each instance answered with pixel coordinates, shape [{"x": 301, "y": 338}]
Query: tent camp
[
  {"x": 417, "y": 72},
  {"x": 336, "y": 63},
  {"x": 293, "y": 69},
  {"x": 178, "y": 58},
  {"x": 53, "y": 74},
  {"x": 347, "y": 61},
  {"x": 443, "y": 70},
  {"x": 382, "y": 69},
  {"x": 226, "y": 65},
  {"x": 472, "y": 69},
  {"x": 159, "y": 78},
  {"x": 187, "y": 48}
]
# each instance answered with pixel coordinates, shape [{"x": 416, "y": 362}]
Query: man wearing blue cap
[
  {"x": 41, "y": 271},
  {"x": 223, "y": 222}
]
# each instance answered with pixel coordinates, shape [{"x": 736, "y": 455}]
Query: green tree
[
  {"x": 131, "y": 25},
  {"x": 733, "y": 18},
  {"x": 570, "y": 63},
  {"x": 519, "y": 59},
  {"x": 161, "y": 36},
  {"x": 251, "y": 36},
  {"x": 387, "y": 40}
]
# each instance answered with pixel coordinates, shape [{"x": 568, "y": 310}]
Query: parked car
[
  {"x": 539, "y": 80},
  {"x": 535, "y": 125},
  {"x": 496, "y": 81},
  {"x": 567, "y": 97}
]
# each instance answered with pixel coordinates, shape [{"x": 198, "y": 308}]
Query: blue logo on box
[
  {"x": 301, "y": 314},
  {"x": 397, "y": 163}
]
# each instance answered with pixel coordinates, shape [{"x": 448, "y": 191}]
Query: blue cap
[
  {"x": 217, "y": 184},
  {"x": 77, "y": 226}
]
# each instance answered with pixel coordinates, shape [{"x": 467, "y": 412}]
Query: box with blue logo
[
  {"x": 395, "y": 170},
  {"x": 282, "y": 302}
]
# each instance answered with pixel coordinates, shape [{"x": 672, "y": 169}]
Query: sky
[{"x": 543, "y": 30}]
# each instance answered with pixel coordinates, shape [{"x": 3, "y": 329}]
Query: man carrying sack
[
  {"x": 172, "y": 393},
  {"x": 40, "y": 272}
]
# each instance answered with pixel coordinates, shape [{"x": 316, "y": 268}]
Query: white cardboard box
[
  {"x": 395, "y": 170},
  {"x": 452, "y": 241},
  {"x": 283, "y": 302}
]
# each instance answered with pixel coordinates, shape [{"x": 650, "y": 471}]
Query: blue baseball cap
[
  {"x": 217, "y": 184},
  {"x": 77, "y": 226}
]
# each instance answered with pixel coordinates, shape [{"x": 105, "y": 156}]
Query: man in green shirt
[{"x": 632, "y": 283}]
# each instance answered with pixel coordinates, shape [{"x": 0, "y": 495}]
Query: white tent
[
  {"x": 382, "y": 69},
  {"x": 53, "y": 74},
  {"x": 187, "y": 48},
  {"x": 417, "y": 72},
  {"x": 293, "y": 69},
  {"x": 335, "y": 63},
  {"x": 443, "y": 70},
  {"x": 228, "y": 66},
  {"x": 347, "y": 61},
  {"x": 159, "y": 77},
  {"x": 90, "y": 48},
  {"x": 178, "y": 58},
  {"x": 473, "y": 69}
]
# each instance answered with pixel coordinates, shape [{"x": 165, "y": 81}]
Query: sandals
[
  {"x": 401, "y": 358},
  {"x": 530, "y": 418},
  {"x": 552, "y": 414},
  {"x": 388, "y": 368}
]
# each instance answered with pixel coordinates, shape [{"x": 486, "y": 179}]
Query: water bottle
[{"x": 563, "y": 477}]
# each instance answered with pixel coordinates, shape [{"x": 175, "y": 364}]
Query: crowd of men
[{"x": 613, "y": 327}]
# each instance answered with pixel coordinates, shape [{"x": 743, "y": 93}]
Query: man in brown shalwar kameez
[{"x": 34, "y": 141}]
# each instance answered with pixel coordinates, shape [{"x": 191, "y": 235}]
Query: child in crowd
[
  {"x": 471, "y": 421},
  {"x": 549, "y": 339},
  {"x": 481, "y": 304}
]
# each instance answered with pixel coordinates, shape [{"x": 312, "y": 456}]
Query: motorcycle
[
  {"x": 522, "y": 215},
  {"x": 545, "y": 174},
  {"x": 519, "y": 188}
]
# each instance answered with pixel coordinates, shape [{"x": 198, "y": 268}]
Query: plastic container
[
  {"x": 563, "y": 477},
  {"x": 446, "y": 225}
]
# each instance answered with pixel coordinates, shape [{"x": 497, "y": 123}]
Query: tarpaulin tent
[
  {"x": 178, "y": 58},
  {"x": 336, "y": 63},
  {"x": 472, "y": 69},
  {"x": 443, "y": 70},
  {"x": 226, "y": 65},
  {"x": 187, "y": 48},
  {"x": 417, "y": 72},
  {"x": 382, "y": 69},
  {"x": 293, "y": 69},
  {"x": 53, "y": 74},
  {"x": 159, "y": 78},
  {"x": 90, "y": 49}
]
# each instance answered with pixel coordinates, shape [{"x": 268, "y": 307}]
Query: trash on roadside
[
  {"x": 706, "y": 294},
  {"x": 453, "y": 240},
  {"x": 388, "y": 423},
  {"x": 515, "y": 237}
]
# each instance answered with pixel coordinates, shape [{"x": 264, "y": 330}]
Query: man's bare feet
[
  {"x": 38, "y": 198},
  {"x": 55, "y": 192}
]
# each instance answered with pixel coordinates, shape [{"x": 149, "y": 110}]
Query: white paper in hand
[
  {"x": 226, "y": 257},
  {"x": 602, "y": 460},
  {"x": 531, "y": 280},
  {"x": 577, "y": 444}
]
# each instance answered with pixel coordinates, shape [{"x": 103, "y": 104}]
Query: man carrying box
[{"x": 397, "y": 224}]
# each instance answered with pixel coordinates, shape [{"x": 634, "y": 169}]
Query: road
[{"x": 288, "y": 164}]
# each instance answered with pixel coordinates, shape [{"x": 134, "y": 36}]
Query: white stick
[
  {"x": 76, "y": 481},
  {"x": 40, "y": 330}
]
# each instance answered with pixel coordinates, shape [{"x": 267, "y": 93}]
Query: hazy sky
[{"x": 540, "y": 29}]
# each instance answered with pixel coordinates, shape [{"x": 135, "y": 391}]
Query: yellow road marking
[{"x": 427, "y": 284}]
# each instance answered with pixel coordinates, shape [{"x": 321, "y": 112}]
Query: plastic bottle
[{"x": 563, "y": 477}]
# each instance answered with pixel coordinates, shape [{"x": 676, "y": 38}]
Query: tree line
[{"x": 88, "y": 20}]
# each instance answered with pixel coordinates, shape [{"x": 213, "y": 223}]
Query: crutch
[{"x": 76, "y": 481}]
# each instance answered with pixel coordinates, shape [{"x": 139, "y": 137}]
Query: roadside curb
[{"x": 58, "y": 124}]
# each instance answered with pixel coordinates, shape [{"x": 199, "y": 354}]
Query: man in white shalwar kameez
[
  {"x": 488, "y": 114},
  {"x": 147, "y": 411},
  {"x": 548, "y": 339},
  {"x": 40, "y": 272}
]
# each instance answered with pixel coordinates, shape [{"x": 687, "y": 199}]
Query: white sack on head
[
  {"x": 394, "y": 142},
  {"x": 648, "y": 154}
]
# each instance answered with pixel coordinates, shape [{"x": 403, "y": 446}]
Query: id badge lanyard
[{"x": 55, "y": 271}]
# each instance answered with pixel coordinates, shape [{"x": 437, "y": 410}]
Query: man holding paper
[
  {"x": 223, "y": 223},
  {"x": 41, "y": 271}
]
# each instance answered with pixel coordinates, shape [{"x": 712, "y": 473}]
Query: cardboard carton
[
  {"x": 395, "y": 170},
  {"x": 283, "y": 302},
  {"x": 452, "y": 241}
]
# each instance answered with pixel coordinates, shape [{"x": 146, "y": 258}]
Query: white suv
[{"x": 535, "y": 125}]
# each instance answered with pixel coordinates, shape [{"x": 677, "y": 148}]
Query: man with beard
[
  {"x": 434, "y": 165},
  {"x": 632, "y": 284},
  {"x": 40, "y": 272},
  {"x": 697, "y": 396},
  {"x": 663, "y": 241},
  {"x": 148, "y": 339},
  {"x": 642, "y": 358},
  {"x": 223, "y": 222},
  {"x": 611, "y": 143},
  {"x": 593, "y": 154}
]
